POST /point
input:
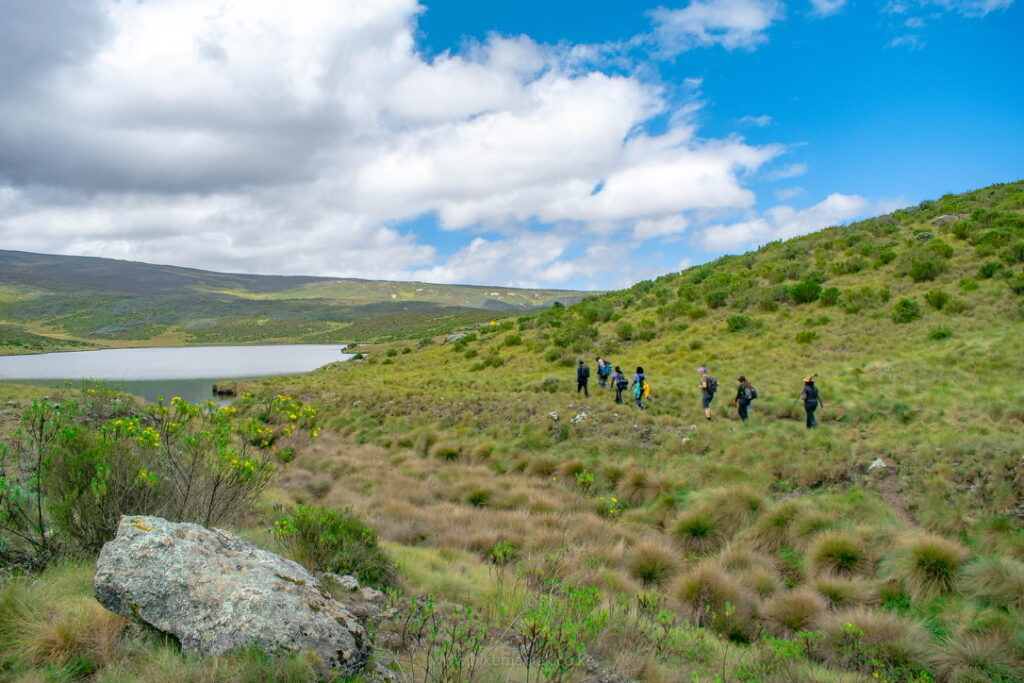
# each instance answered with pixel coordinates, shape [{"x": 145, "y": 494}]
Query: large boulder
[{"x": 216, "y": 593}]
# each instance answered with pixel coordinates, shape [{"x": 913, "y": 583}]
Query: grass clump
[
  {"x": 998, "y": 581},
  {"x": 874, "y": 642},
  {"x": 697, "y": 531},
  {"x": 792, "y": 611},
  {"x": 652, "y": 562},
  {"x": 838, "y": 553},
  {"x": 930, "y": 566},
  {"x": 977, "y": 658},
  {"x": 711, "y": 598}
]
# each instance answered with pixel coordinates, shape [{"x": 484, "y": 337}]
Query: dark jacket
[{"x": 582, "y": 373}]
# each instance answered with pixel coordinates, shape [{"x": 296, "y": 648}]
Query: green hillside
[
  {"x": 64, "y": 302},
  {"x": 596, "y": 541}
]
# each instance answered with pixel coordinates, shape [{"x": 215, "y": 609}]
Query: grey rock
[
  {"x": 948, "y": 218},
  {"x": 216, "y": 593},
  {"x": 923, "y": 236}
]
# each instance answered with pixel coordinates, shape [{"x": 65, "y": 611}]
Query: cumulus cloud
[
  {"x": 244, "y": 135},
  {"x": 783, "y": 222},
  {"x": 733, "y": 24},
  {"x": 756, "y": 121}
]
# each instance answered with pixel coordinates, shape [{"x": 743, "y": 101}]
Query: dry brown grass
[
  {"x": 653, "y": 562},
  {"x": 866, "y": 639},
  {"x": 929, "y": 566},
  {"x": 709, "y": 596},
  {"x": 839, "y": 553}
]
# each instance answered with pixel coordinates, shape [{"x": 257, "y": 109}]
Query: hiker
[
  {"x": 604, "y": 369},
  {"x": 582, "y": 375},
  {"x": 620, "y": 382},
  {"x": 812, "y": 400},
  {"x": 639, "y": 380},
  {"x": 708, "y": 386},
  {"x": 745, "y": 393}
]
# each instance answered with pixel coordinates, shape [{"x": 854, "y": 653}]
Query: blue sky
[{"x": 559, "y": 144}]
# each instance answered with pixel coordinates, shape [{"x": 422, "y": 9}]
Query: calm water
[{"x": 188, "y": 372}]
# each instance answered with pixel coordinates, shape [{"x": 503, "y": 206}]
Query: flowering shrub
[{"x": 75, "y": 468}]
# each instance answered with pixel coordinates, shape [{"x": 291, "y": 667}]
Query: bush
[
  {"x": 1017, "y": 284},
  {"x": 969, "y": 285},
  {"x": 937, "y": 299},
  {"x": 716, "y": 600},
  {"x": 736, "y": 323},
  {"x": 624, "y": 331},
  {"x": 805, "y": 292},
  {"x": 925, "y": 269},
  {"x": 905, "y": 311},
  {"x": 930, "y": 566},
  {"x": 830, "y": 296},
  {"x": 716, "y": 298},
  {"x": 806, "y": 336},
  {"x": 550, "y": 385},
  {"x": 989, "y": 269},
  {"x": 78, "y": 467},
  {"x": 512, "y": 340},
  {"x": 939, "y": 333},
  {"x": 326, "y": 540}
]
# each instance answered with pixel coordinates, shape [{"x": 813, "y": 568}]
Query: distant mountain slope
[{"x": 74, "y": 299}]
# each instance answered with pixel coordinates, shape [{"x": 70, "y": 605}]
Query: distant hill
[{"x": 51, "y": 302}]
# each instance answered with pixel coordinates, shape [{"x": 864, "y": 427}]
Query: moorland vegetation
[{"x": 530, "y": 534}]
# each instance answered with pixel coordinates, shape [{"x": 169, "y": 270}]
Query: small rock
[
  {"x": 877, "y": 464},
  {"x": 923, "y": 236},
  {"x": 578, "y": 418},
  {"x": 553, "y": 415},
  {"x": 356, "y": 404}
]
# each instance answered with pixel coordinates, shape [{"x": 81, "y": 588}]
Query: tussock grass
[
  {"x": 844, "y": 593},
  {"x": 930, "y": 566},
  {"x": 838, "y": 553},
  {"x": 710, "y": 597},
  {"x": 697, "y": 531},
  {"x": 977, "y": 659},
  {"x": 653, "y": 562},
  {"x": 792, "y": 611},
  {"x": 867, "y": 640},
  {"x": 998, "y": 581}
]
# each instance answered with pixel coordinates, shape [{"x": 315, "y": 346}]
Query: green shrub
[
  {"x": 512, "y": 340},
  {"x": 736, "y": 323},
  {"x": 326, "y": 540},
  {"x": 550, "y": 385},
  {"x": 806, "y": 336},
  {"x": 646, "y": 334},
  {"x": 969, "y": 285},
  {"x": 624, "y": 331},
  {"x": 937, "y": 299},
  {"x": 1017, "y": 284},
  {"x": 805, "y": 291},
  {"x": 905, "y": 311},
  {"x": 830, "y": 296},
  {"x": 923, "y": 269},
  {"x": 716, "y": 298},
  {"x": 938, "y": 333},
  {"x": 989, "y": 269},
  {"x": 391, "y": 353}
]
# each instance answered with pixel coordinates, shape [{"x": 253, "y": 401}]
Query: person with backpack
[
  {"x": 639, "y": 380},
  {"x": 745, "y": 393},
  {"x": 604, "y": 370},
  {"x": 708, "y": 386},
  {"x": 620, "y": 382},
  {"x": 582, "y": 376},
  {"x": 812, "y": 400}
]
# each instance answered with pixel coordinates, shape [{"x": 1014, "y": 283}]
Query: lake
[{"x": 188, "y": 372}]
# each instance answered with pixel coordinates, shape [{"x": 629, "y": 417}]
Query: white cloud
[
  {"x": 756, "y": 121},
  {"x": 826, "y": 8},
  {"x": 788, "y": 171},
  {"x": 733, "y": 24},
  {"x": 786, "y": 193},
  {"x": 783, "y": 222},
  {"x": 910, "y": 41}
]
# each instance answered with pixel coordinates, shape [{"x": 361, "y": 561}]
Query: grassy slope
[
  {"x": 456, "y": 456},
  {"x": 912, "y": 572},
  {"x": 57, "y": 302}
]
